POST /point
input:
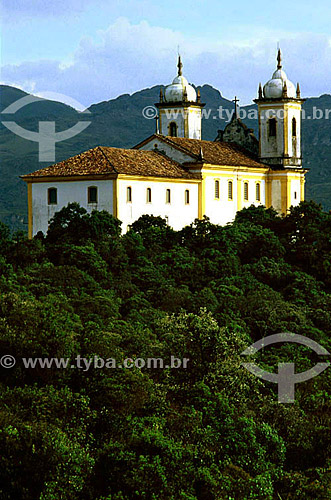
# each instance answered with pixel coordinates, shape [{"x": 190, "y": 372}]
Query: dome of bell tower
[
  {"x": 279, "y": 85},
  {"x": 180, "y": 90}
]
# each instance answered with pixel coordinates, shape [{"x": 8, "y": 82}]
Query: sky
[{"x": 86, "y": 51}]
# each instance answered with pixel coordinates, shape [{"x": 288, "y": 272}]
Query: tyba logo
[
  {"x": 46, "y": 135},
  {"x": 286, "y": 378}
]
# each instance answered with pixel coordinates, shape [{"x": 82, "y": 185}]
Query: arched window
[
  {"x": 173, "y": 129},
  {"x": 92, "y": 194},
  {"x": 272, "y": 127},
  {"x": 52, "y": 196},
  {"x": 187, "y": 197},
  {"x": 258, "y": 191},
  {"x": 230, "y": 190},
  {"x": 294, "y": 127},
  {"x": 129, "y": 194},
  {"x": 246, "y": 191},
  {"x": 168, "y": 196},
  {"x": 148, "y": 195},
  {"x": 217, "y": 189}
]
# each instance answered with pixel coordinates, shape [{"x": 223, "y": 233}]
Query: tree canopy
[{"x": 211, "y": 431}]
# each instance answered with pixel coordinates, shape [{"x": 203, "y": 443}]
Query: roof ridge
[
  {"x": 178, "y": 146},
  {"x": 107, "y": 159},
  {"x": 235, "y": 147},
  {"x": 165, "y": 156}
]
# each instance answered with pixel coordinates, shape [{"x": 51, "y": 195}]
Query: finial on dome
[
  {"x": 200, "y": 157},
  {"x": 198, "y": 96},
  {"x": 279, "y": 59},
  {"x": 275, "y": 88},
  {"x": 285, "y": 89},
  {"x": 157, "y": 129},
  {"x": 260, "y": 91},
  {"x": 185, "y": 95},
  {"x": 298, "y": 91},
  {"x": 179, "y": 66},
  {"x": 161, "y": 95}
]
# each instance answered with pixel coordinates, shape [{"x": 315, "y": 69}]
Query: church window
[
  {"x": 173, "y": 129},
  {"x": 149, "y": 195},
  {"x": 272, "y": 127},
  {"x": 294, "y": 127},
  {"x": 230, "y": 190},
  {"x": 217, "y": 189},
  {"x": 187, "y": 197},
  {"x": 129, "y": 194},
  {"x": 52, "y": 196},
  {"x": 295, "y": 195},
  {"x": 92, "y": 194},
  {"x": 258, "y": 191},
  {"x": 246, "y": 191},
  {"x": 168, "y": 196}
]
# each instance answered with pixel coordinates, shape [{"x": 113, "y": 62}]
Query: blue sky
[{"x": 94, "y": 50}]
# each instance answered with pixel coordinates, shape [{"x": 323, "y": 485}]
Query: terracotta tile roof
[
  {"x": 215, "y": 153},
  {"x": 105, "y": 160}
]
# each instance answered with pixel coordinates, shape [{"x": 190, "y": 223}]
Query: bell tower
[
  {"x": 180, "y": 108},
  {"x": 279, "y": 108}
]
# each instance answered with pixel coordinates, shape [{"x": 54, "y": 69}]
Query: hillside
[{"x": 119, "y": 122}]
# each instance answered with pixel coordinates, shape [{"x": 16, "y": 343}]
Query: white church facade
[{"x": 176, "y": 175}]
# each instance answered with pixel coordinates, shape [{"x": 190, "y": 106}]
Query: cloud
[{"x": 128, "y": 57}]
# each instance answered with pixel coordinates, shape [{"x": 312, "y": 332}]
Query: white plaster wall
[
  {"x": 67, "y": 192},
  {"x": 176, "y": 115},
  {"x": 274, "y": 146},
  {"x": 271, "y": 146},
  {"x": 177, "y": 212},
  {"x": 194, "y": 124},
  {"x": 223, "y": 210},
  {"x": 276, "y": 195},
  {"x": 294, "y": 113},
  {"x": 252, "y": 191}
]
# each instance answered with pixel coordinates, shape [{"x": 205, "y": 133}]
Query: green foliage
[{"x": 211, "y": 431}]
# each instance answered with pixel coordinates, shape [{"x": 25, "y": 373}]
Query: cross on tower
[{"x": 235, "y": 100}]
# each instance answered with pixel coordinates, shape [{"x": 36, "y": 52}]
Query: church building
[{"x": 177, "y": 175}]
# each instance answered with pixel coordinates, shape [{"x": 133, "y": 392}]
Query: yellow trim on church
[
  {"x": 302, "y": 188},
  {"x": 115, "y": 197},
  {"x": 30, "y": 211},
  {"x": 239, "y": 193},
  {"x": 173, "y": 180}
]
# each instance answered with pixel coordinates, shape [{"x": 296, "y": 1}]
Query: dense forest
[{"x": 212, "y": 431}]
